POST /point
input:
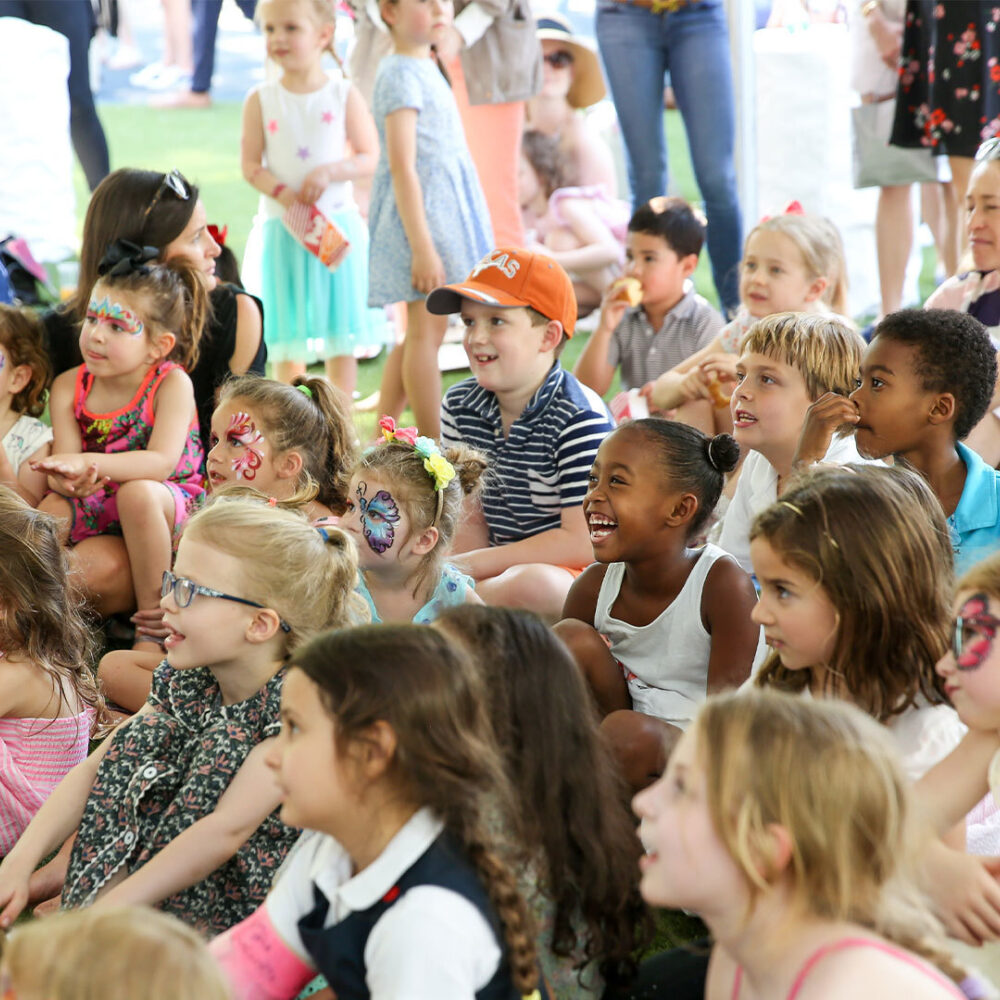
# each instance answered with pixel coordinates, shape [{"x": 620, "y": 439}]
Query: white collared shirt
[
  {"x": 757, "y": 489},
  {"x": 432, "y": 943}
]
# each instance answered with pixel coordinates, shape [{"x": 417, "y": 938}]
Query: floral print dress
[
  {"x": 167, "y": 769},
  {"x": 948, "y": 97}
]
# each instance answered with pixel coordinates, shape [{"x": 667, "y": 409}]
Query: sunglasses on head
[
  {"x": 173, "y": 182},
  {"x": 989, "y": 150},
  {"x": 559, "y": 59}
]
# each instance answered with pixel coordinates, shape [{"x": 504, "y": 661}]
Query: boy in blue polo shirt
[
  {"x": 537, "y": 424},
  {"x": 927, "y": 379}
]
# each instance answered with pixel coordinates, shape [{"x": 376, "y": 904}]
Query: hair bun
[{"x": 723, "y": 452}]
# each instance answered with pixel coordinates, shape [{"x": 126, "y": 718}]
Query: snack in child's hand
[
  {"x": 627, "y": 290},
  {"x": 719, "y": 397},
  {"x": 631, "y": 405},
  {"x": 314, "y": 231}
]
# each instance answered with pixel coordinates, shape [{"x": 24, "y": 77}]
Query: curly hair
[
  {"x": 952, "y": 352},
  {"x": 23, "y": 337}
]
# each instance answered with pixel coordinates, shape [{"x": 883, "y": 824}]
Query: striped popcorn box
[{"x": 313, "y": 230}]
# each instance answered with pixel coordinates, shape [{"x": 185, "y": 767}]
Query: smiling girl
[
  {"x": 676, "y": 619},
  {"x": 177, "y": 808}
]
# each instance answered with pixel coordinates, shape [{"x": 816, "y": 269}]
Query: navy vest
[{"x": 338, "y": 952}]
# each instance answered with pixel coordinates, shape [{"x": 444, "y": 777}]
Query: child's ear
[
  {"x": 326, "y": 35},
  {"x": 20, "y": 376},
  {"x": 425, "y": 541},
  {"x": 772, "y": 851},
  {"x": 552, "y": 337},
  {"x": 683, "y": 510},
  {"x": 289, "y": 465},
  {"x": 387, "y": 11},
  {"x": 375, "y": 749},
  {"x": 816, "y": 289},
  {"x": 943, "y": 410},
  {"x": 263, "y": 626},
  {"x": 688, "y": 264},
  {"x": 163, "y": 344}
]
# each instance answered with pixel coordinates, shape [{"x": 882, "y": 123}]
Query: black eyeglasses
[
  {"x": 989, "y": 150},
  {"x": 559, "y": 59},
  {"x": 174, "y": 182},
  {"x": 184, "y": 591}
]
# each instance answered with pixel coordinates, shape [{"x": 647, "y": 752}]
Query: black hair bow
[{"x": 124, "y": 257}]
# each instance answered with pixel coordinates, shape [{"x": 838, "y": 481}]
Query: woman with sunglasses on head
[
  {"x": 176, "y": 809},
  {"x": 571, "y": 83},
  {"x": 162, "y": 210},
  {"x": 977, "y": 291}
]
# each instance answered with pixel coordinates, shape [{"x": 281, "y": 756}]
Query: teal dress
[{"x": 449, "y": 593}]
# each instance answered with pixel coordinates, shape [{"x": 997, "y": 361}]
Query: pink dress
[
  {"x": 35, "y": 755},
  {"x": 129, "y": 429}
]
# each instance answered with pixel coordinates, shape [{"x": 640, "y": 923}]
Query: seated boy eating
[
  {"x": 787, "y": 361},
  {"x": 927, "y": 379},
  {"x": 670, "y": 321},
  {"x": 538, "y": 425}
]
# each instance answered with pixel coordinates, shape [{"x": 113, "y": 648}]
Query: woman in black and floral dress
[{"x": 948, "y": 96}]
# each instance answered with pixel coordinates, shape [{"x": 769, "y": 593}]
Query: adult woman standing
[
  {"x": 161, "y": 210},
  {"x": 640, "y": 41}
]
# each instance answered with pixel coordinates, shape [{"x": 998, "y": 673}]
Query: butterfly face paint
[
  {"x": 244, "y": 430},
  {"x": 975, "y": 631},
  {"x": 115, "y": 316},
  {"x": 379, "y": 516}
]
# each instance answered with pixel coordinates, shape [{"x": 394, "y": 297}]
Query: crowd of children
[{"x": 387, "y": 700}]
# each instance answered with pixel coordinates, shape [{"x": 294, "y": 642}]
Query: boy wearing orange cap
[{"x": 539, "y": 426}]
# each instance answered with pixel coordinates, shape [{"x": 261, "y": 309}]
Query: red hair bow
[
  {"x": 219, "y": 235},
  {"x": 792, "y": 208}
]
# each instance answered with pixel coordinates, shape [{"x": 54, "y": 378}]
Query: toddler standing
[
  {"x": 428, "y": 218},
  {"x": 294, "y": 148}
]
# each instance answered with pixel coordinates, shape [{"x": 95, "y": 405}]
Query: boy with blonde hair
[
  {"x": 537, "y": 424},
  {"x": 787, "y": 362}
]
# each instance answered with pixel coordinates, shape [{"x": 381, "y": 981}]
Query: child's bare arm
[
  {"x": 666, "y": 392},
  {"x": 252, "y": 153},
  {"x": 947, "y": 792},
  {"x": 592, "y": 368},
  {"x": 32, "y": 483},
  {"x": 199, "y": 850},
  {"x": 427, "y": 271},
  {"x": 598, "y": 246},
  {"x": 249, "y": 331},
  {"x": 173, "y": 409},
  {"x": 581, "y": 601},
  {"x": 727, "y": 599}
]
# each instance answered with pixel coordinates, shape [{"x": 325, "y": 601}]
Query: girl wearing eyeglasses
[{"x": 177, "y": 808}]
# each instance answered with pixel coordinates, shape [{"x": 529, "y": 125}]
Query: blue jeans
[
  {"x": 205, "y": 17},
  {"x": 638, "y": 48}
]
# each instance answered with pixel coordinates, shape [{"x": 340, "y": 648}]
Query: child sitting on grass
[{"x": 538, "y": 427}]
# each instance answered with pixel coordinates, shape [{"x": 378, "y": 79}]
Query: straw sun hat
[{"x": 588, "y": 83}]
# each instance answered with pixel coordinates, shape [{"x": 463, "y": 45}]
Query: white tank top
[{"x": 670, "y": 655}]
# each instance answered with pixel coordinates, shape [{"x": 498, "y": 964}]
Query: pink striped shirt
[{"x": 35, "y": 755}]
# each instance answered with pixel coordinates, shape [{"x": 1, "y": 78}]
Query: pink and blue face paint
[
  {"x": 115, "y": 315},
  {"x": 379, "y": 516},
  {"x": 975, "y": 631},
  {"x": 244, "y": 431}
]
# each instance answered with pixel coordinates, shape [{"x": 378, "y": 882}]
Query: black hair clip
[{"x": 124, "y": 257}]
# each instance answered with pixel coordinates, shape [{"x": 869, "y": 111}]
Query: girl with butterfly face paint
[{"x": 404, "y": 501}]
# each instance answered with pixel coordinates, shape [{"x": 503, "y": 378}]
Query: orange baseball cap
[{"x": 510, "y": 277}]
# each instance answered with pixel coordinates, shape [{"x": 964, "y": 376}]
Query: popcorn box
[
  {"x": 629, "y": 406},
  {"x": 314, "y": 231}
]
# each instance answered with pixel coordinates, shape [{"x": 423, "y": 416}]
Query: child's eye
[
  {"x": 617, "y": 481},
  {"x": 776, "y": 271},
  {"x": 213, "y": 440},
  {"x": 740, "y": 376},
  {"x": 592, "y": 477},
  {"x": 782, "y": 592},
  {"x": 497, "y": 321},
  {"x": 877, "y": 383},
  {"x": 349, "y": 509},
  {"x": 858, "y": 383},
  {"x": 233, "y": 441},
  {"x": 767, "y": 379},
  {"x": 749, "y": 265}
]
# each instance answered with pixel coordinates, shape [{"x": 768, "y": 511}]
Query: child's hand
[
  {"x": 287, "y": 197},
  {"x": 427, "y": 271},
  {"x": 448, "y": 42},
  {"x": 823, "y": 418},
  {"x": 964, "y": 893},
  {"x": 613, "y": 308},
  {"x": 316, "y": 182},
  {"x": 13, "y": 893},
  {"x": 149, "y": 624}
]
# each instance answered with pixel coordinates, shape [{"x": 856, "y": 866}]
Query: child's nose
[
  {"x": 945, "y": 667},
  {"x": 759, "y": 615}
]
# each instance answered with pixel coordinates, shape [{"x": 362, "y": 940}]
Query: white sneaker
[
  {"x": 125, "y": 57},
  {"x": 145, "y": 76},
  {"x": 169, "y": 78}
]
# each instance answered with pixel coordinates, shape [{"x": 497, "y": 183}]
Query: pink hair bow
[
  {"x": 393, "y": 433},
  {"x": 792, "y": 208}
]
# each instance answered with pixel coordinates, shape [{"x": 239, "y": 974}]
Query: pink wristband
[
  {"x": 257, "y": 962},
  {"x": 278, "y": 188}
]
